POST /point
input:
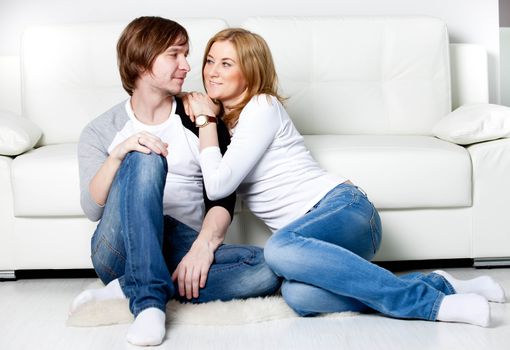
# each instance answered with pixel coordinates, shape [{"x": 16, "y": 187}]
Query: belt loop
[{"x": 362, "y": 191}]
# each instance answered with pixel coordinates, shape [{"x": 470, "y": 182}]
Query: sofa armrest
[
  {"x": 17, "y": 134},
  {"x": 6, "y": 216},
  {"x": 491, "y": 193}
]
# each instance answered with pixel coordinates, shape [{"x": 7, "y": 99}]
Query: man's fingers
[
  {"x": 188, "y": 283},
  {"x": 182, "y": 275},
  {"x": 203, "y": 277},
  {"x": 196, "y": 282},
  {"x": 156, "y": 146}
]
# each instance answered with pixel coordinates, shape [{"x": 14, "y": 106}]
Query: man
[{"x": 140, "y": 176}]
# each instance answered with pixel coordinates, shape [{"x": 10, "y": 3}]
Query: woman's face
[{"x": 223, "y": 78}]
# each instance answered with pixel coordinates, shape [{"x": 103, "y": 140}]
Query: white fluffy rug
[{"x": 216, "y": 313}]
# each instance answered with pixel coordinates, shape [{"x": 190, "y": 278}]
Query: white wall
[
  {"x": 505, "y": 66},
  {"x": 472, "y": 21}
]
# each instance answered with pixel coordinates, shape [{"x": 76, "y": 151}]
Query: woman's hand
[
  {"x": 143, "y": 142},
  {"x": 191, "y": 273},
  {"x": 196, "y": 103}
]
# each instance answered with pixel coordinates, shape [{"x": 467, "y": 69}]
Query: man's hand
[
  {"x": 143, "y": 142},
  {"x": 191, "y": 273}
]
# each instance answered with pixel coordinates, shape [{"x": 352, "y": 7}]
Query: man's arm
[{"x": 192, "y": 271}]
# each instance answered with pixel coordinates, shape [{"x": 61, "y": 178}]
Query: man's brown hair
[{"x": 141, "y": 42}]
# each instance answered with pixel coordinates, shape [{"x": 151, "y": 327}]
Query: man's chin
[{"x": 175, "y": 91}]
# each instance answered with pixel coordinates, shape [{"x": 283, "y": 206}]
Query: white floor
[{"x": 33, "y": 315}]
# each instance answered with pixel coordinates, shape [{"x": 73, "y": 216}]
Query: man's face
[{"x": 168, "y": 71}]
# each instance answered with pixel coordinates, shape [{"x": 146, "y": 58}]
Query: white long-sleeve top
[{"x": 269, "y": 165}]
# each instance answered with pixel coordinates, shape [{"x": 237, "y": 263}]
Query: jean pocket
[{"x": 376, "y": 229}]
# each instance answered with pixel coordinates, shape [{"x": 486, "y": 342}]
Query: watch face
[{"x": 201, "y": 120}]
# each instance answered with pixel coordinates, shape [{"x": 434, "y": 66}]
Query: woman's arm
[{"x": 256, "y": 129}]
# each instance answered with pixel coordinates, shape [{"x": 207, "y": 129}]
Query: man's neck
[{"x": 150, "y": 108}]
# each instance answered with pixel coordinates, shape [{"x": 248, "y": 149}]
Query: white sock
[
  {"x": 111, "y": 291},
  {"x": 483, "y": 285},
  {"x": 148, "y": 328},
  {"x": 465, "y": 308}
]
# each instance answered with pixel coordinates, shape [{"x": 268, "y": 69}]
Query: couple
[{"x": 161, "y": 175}]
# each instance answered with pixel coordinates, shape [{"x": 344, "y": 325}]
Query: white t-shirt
[{"x": 278, "y": 179}]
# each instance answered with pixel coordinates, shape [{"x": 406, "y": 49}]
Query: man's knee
[
  {"x": 145, "y": 169},
  {"x": 264, "y": 280}
]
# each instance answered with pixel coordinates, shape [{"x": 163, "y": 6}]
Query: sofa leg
[
  {"x": 491, "y": 262},
  {"x": 7, "y": 275}
]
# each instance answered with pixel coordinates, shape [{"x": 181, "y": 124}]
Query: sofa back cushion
[
  {"x": 360, "y": 75},
  {"x": 70, "y": 74}
]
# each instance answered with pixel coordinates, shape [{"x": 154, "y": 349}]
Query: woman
[{"x": 325, "y": 228}]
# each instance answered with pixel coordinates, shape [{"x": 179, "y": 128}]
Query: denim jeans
[
  {"x": 324, "y": 260},
  {"x": 140, "y": 246}
]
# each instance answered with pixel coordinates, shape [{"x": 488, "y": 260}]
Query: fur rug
[{"x": 216, "y": 313}]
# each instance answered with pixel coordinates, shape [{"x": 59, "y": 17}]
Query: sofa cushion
[
  {"x": 361, "y": 75},
  {"x": 46, "y": 183},
  {"x": 399, "y": 172}
]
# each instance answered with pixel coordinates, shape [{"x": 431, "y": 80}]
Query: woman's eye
[{"x": 225, "y": 64}]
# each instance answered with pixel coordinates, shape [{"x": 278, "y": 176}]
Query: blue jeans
[
  {"x": 140, "y": 246},
  {"x": 324, "y": 260}
]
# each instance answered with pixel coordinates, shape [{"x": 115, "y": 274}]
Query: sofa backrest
[
  {"x": 343, "y": 75},
  {"x": 361, "y": 75},
  {"x": 70, "y": 74}
]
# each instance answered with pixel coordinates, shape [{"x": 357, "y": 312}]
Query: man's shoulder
[
  {"x": 109, "y": 122},
  {"x": 115, "y": 117}
]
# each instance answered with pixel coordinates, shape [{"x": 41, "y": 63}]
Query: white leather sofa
[{"x": 365, "y": 91}]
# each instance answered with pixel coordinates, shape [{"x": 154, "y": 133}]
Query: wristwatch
[{"x": 202, "y": 120}]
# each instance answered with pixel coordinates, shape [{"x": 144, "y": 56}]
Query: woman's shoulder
[{"x": 263, "y": 102}]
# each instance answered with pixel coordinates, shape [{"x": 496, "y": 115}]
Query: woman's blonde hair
[{"x": 256, "y": 64}]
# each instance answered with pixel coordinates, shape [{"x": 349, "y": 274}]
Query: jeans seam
[
  {"x": 147, "y": 305},
  {"x": 106, "y": 268},
  {"x": 373, "y": 229},
  {"x": 128, "y": 222},
  {"x": 436, "y": 306},
  {"x": 448, "y": 285},
  {"x": 110, "y": 247}
]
